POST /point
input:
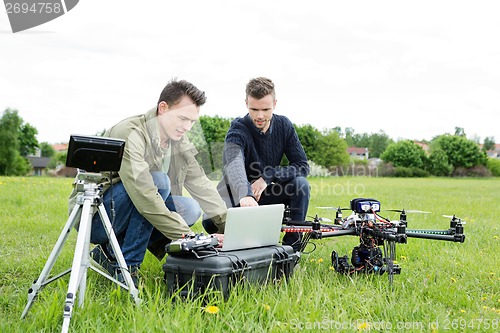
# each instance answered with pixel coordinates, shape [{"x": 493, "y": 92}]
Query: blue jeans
[
  {"x": 295, "y": 193},
  {"x": 132, "y": 230}
]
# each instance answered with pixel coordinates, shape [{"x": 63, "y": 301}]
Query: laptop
[{"x": 250, "y": 227}]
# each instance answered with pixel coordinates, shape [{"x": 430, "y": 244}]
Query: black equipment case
[{"x": 190, "y": 275}]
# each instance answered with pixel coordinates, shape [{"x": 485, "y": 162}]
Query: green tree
[
  {"x": 14, "y": 136},
  {"x": 332, "y": 150},
  {"x": 47, "y": 150},
  {"x": 459, "y": 131},
  {"x": 493, "y": 165},
  {"x": 59, "y": 158},
  {"x": 214, "y": 130},
  {"x": 439, "y": 164},
  {"x": 337, "y": 129},
  {"x": 461, "y": 152},
  {"x": 208, "y": 136},
  {"x": 349, "y": 133},
  {"x": 361, "y": 140},
  {"x": 489, "y": 143},
  {"x": 375, "y": 142},
  {"x": 309, "y": 136},
  {"x": 378, "y": 143},
  {"x": 8, "y": 140},
  {"x": 406, "y": 154},
  {"x": 27, "y": 139}
]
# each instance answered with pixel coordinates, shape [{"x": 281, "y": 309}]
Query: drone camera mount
[{"x": 361, "y": 205}]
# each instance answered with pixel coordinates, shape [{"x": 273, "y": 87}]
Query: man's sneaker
[
  {"x": 99, "y": 256},
  {"x": 134, "y": 273},
  {"x": 110, "y": 266}
]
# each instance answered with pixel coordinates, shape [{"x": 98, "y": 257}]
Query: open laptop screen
[{"x": 249, "y": 227}]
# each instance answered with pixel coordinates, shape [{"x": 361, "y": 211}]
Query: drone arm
[
  {"x": 393, "y": 237},
  {"x": 297, "y": 223},
  {"x": 446, "y": 236},
  {"x": 340, "y": 232}
]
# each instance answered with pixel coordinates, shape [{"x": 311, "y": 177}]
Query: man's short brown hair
[
  {"x": 175, "y": 90},
  {"x": 260, "y": 87}
]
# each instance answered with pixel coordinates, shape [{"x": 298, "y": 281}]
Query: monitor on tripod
[
  {"x": 94, "y": 153},
  {"x": 90, "y": 154}
]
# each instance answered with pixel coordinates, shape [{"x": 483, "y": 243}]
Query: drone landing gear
[{"x": 368, "y": 260}]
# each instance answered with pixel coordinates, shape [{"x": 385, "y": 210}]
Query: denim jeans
[
  {"x": 295, "y": 193},
  {"x": 132, "y": 230}
]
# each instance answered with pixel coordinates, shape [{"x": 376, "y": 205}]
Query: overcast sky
[{"x": 414, "y": 70}]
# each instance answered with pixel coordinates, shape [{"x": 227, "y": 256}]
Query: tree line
[{"x": 448, "y": 155}]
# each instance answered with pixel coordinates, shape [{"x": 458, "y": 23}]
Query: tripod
[{"x": 89, "y": 200}]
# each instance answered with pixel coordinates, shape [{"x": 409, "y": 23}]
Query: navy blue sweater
[{"x": 250, "y": 154}]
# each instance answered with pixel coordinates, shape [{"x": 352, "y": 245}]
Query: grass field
[{"x": 443, "y": 286}]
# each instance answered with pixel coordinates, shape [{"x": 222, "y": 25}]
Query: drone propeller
[
  {"x": 453, "y": 217},
  {"x": 332, "y": 208},
  {"x": 407, "y": 211},
  {"x": 320, "y": 219}
]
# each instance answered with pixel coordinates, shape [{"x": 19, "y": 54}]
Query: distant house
[
  {"x": 62, "y": 170},
  {"x": 357, "y": 152},
  {"x": 39, "y": 164},
  {"x": 60, "y": 147},
  {"x": 424, "y": 146},
  {"x": 493, "y": 153}
]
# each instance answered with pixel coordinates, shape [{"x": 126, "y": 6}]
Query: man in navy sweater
[{"x": 253, "y": 151}]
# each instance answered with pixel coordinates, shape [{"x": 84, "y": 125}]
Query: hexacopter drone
[{"x": 378, "y": 236}]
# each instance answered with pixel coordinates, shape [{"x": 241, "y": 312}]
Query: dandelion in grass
[
  {"x": 462, "y": 310},
  {"x": 363, "y": 326},
  {"x": 331, "y": 268},
  {"x": 212, "y": 309},
  {"x": 266, "y": 307},
  {"x": 320, "y": 260}
]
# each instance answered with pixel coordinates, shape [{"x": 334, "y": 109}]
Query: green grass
[{"x": 443, "y": 286}]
